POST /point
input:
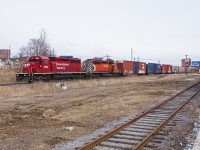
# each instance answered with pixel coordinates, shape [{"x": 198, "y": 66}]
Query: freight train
[{"x": 46, "y": 68}]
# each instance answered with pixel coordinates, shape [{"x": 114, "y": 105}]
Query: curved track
[{"x": 139, "y": 131}]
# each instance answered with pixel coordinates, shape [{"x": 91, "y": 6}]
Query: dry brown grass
[
  {"x": 7, "y": 76},
  {"x": 50, "y": 87},
  {"x": 86, "y": 105}
]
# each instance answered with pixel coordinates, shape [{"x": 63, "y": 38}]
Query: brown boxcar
[
  {"x": 125, "y": 67},
  {"x": 166, "y": 69}
]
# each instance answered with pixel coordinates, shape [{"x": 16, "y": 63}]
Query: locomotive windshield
[{"x": 36, "y": 60}]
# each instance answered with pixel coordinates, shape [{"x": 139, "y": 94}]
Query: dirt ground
[{"x": 39, "y": 116}]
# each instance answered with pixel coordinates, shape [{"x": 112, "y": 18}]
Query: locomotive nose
[{"x": 26, "y": 65}]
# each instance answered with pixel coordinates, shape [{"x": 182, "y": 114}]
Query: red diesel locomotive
[
  {"x": 42, "y": 67},
  {"x": 43, "y": 64},
  {"x": 98, "y": 66}
]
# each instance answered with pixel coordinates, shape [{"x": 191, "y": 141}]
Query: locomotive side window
[
  {"x": 46, "y": 62},
  {"x": 35, "y": 60}
]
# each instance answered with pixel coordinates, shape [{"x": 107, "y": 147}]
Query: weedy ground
[
  {"x": 39, "y": 116},
  {"x": 7, "y": 75}
]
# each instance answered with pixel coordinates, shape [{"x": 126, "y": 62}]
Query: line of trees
[{"x": 37, "y": 47}]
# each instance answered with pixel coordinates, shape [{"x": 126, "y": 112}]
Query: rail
[{"x": 145, "y": 116}]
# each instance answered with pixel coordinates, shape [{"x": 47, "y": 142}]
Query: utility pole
[
  {"x": 186, "y": 64},
  {"x": 131, "y": 54},
  {"x": 107, "y": 56}
]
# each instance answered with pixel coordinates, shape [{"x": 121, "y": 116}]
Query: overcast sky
[{"x": 162, "y": 30}]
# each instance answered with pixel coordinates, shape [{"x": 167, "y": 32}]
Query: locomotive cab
[{"x": 37, "y": 64}]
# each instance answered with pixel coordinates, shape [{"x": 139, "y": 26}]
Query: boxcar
[
  {"x": 125, "y": 67},
  {"x": 166, "y": 69},
  {"x": 139, "y": 67},
  {"x": 153, "y": 68}
]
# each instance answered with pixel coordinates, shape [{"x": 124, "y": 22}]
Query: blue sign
[{"x": 195, "y": 64}]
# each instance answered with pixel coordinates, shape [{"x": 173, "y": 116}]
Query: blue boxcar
[
  {"x": 158, "y": 68},
  {"x": 153, "y": 68}
]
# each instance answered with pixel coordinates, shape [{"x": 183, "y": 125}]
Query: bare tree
[{"x": 37, "y": 46}]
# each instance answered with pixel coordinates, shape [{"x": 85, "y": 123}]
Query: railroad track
[
  {"x": 141, "y": 130},
  {"x": 9, "y": 84}
]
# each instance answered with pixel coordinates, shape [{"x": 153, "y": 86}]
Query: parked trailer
[
  {"x": 139, "y": 67},
  {"x": 153, "y": 68},
  {"x": 166, "y": 69}
]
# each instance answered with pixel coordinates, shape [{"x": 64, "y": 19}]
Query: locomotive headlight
[{"x": 26, "y": 65}]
